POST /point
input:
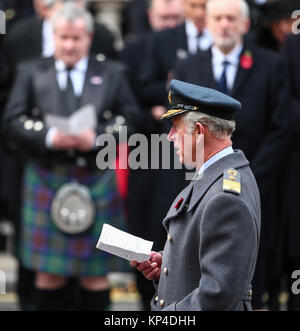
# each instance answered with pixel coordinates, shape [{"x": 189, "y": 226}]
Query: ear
[
  {"x": 246, "y": 26},
  {"x": 200, "y": 132},
  {"x": 200, "y": 129}
]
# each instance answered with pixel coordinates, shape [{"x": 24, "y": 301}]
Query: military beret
[{"x": 184, "y": 97}]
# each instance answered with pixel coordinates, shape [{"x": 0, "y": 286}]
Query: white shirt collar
[
  {"x": 233, "y": 57},
  {"x": 81, "y": 65},
  {"x": 192, "y": 31},
  {"x": 215, "y": 158}
]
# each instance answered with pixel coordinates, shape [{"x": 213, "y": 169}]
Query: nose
[
  {"x": 224, "y": 22},
  {"x": 69, "y": 44},
  {"x": 199, "y": 12}
]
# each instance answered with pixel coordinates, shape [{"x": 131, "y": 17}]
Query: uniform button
[
  {"x": 100, "y": 57},
  {"x": 170, "y": 238},
  {"x": 185, "y": 208},
  {"x": 120, "y": 120},
  {"x": 162, "y": 303},
  {"x": 156, "y": 299},
  {"x": 71, "y": 153},
  {"x": 35, "y": 111},
  {"x": 107, "y": 114},
  {"x": 10, "y": 14},
  {"x": 23, "y": 118},
  {"x": 166, "y": 271},
  {"x": 81, "y": 162},
  {"x": 28, "y": 125},
  {"x": 38, "y": 126}
]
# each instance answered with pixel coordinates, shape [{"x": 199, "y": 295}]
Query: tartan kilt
[{"x": 45, "y": 248}]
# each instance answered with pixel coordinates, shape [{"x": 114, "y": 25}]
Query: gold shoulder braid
[{"x": 232, "y": 181}]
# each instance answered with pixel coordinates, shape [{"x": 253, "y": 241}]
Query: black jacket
[{"x": 36, "y": 93}]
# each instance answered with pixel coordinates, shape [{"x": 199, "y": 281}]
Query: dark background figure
[
  {"x": 147, "y": 202},
  {"x": 290, "y": 194},
  {"x": 16, "y": 10},
  {"x": 167, "y": 46},
  {"x": 276, "y": 23},
  {"x": 135, "y": 21},
  {"x": 258, "y": 78},
  {"x": 26, "y": 41}
]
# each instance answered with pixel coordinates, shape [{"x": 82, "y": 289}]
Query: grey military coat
[{"x": 213, "y": 238}]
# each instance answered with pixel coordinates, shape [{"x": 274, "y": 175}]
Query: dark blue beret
[{"x": 184, "y": 97}]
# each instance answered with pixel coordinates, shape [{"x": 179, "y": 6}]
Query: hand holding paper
[
  {"x": 83, "y": 119},
  {"x": 151, "y": 269},
  {"x": 124, "y": 245}
]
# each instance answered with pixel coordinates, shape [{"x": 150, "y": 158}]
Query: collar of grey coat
[{"x": 196, "y": 189}]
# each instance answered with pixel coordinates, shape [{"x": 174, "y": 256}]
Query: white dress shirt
[
  {"x": 233, "y": 58},
  {"x": 48, "y": 46},
  {"x": 77, "y": 75},
  {"x": 195, "y": 42}
]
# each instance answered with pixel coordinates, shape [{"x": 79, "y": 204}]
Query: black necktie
[
  {"x": 199, "y": 36},
  {"x": 69, "y": 95},
  {"x": 223, "y": 80}
]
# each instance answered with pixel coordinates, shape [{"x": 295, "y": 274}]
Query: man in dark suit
[
  {"x": 166, "y": 46},
  {"x": 16, "y": 10},
  {"x": 258, "y": 79},
  {"x": 60, "y": 85},
  {"x": 32, "y": 37},
  {"x": 291, "y": 230},
  {"x": 135, "y": 19},
  {"x": 162, "y": 15}
]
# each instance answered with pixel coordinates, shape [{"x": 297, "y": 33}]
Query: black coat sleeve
[
  {"x": 18, "y": 111},
  {"x": 270, "y": 154}
]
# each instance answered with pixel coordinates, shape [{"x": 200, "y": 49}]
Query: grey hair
[
  {"x": 70, "y": 12},
  {"x": 243, "y": 5},
  {"x": 218, "y": 127},
  {"x": 50, "y": 3}
]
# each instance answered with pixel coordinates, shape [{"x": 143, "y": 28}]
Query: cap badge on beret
[{"x": 170, "y": 97}]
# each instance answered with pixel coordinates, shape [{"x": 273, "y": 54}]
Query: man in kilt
[{"x": 66, "y": 198}]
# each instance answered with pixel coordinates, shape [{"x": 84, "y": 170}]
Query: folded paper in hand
[
  {"x": 124, "y": 245},
  {"x": 81, "y": 120}
]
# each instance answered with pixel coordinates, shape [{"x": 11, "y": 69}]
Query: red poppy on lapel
[
  {"x": 178, "y": 204},
  {"x": 247, "y": 60}
]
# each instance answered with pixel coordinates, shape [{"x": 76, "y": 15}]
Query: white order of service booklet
[
  {"x": 124, "y": 245},
  {"x": 81, "y": 120}
]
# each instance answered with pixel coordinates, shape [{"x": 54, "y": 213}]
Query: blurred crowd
[{"x": 162, "y": 39}]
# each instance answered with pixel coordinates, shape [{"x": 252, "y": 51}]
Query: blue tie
[{"x": 223, "y": 80}]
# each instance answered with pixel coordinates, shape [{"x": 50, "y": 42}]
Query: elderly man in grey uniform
[{"x": 213, "y": 225}]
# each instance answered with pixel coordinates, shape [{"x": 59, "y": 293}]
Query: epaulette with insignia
[{"x": 232, "y": 181}]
